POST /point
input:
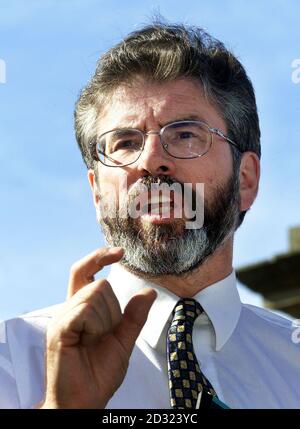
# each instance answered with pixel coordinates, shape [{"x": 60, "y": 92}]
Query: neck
[{"x": 215, "y": 268}]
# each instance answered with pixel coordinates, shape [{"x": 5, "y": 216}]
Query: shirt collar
[
  {"x": 222, "y": 305},
  {"x": 223, "y": 317}
]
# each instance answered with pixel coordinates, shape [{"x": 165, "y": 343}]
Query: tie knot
[{"x": 187, "y": 310}]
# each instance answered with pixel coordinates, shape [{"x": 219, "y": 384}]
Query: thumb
[{"x": 134, "y": 318}]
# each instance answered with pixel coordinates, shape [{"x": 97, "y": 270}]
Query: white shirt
[{"x": 246, "y": 352}]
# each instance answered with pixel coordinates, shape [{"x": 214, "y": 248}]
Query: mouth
[{"x": 159, "y": 208}]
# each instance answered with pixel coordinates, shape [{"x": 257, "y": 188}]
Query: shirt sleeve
[{"x": 9, "y": 397}]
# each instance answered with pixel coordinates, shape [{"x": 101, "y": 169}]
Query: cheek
[
  {"x": 212, "y": 172},
  {"x": 113, "y": 185},
  {"x": 221, "y": 164},
  {"x": 199, "y": 171}
]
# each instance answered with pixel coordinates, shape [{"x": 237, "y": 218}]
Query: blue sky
[{"x": 50, "y": 49}]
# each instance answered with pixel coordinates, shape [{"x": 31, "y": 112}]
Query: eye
[
  {"x": 124, "y": 144},
  {"x": 186, "y": 135},
  {"x": 123, "y": 140}
]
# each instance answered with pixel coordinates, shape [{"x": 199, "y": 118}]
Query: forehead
[{"x": 145, "y": 104}]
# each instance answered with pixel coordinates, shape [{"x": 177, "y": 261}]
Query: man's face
[{"x": 155, "y": 245}]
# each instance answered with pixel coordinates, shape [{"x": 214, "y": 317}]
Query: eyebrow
[
  {"x": 123, "y": 131},
  {"x": 191, "y": 117},
  {"x": 186, "y": 118}
]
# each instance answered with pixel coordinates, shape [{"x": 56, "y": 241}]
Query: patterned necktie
[{"x": 186, "y": 380}]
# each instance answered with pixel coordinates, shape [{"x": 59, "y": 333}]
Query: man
[{"x": 168, "y": 108}]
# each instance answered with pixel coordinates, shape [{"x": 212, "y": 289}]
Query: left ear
[
  {"x": 249, "y": 179},
  {"x": 93, "y": 184},
  {"x": 95, "y": 191}
]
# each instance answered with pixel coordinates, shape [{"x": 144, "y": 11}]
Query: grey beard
[{"x": 170, "y": 248}]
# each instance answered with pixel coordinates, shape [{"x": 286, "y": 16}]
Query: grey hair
[{"x": 164, "y": 52}]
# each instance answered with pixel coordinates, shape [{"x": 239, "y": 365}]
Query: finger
[
  {"x": 81, "y": 326},
  {"x": 91, "y": 314},
  {"x": 134, "y": 318},
  {"x": 99, "y": 295},
  {"x": 83, "y": 271}
]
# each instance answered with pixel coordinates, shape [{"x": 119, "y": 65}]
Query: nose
[{"x": 154, "y": 159}]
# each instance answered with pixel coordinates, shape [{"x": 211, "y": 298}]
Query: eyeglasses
[{"x": 181, "y": 139}]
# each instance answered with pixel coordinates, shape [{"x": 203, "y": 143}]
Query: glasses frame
[{"x": 213, "y": 131}]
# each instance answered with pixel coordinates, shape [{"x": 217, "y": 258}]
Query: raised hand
[{"x": 90, "y": 341}]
